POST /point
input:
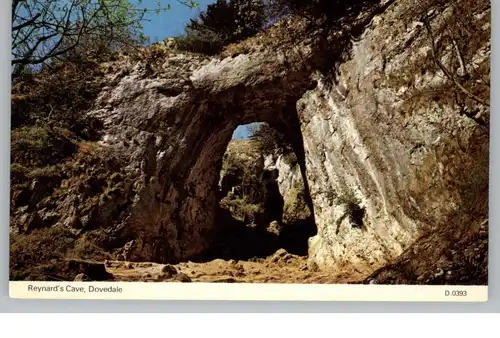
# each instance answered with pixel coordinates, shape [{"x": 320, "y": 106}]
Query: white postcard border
[{"x": 246, "y": 292}]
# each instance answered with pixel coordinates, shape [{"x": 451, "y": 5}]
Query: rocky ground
[
  {"x": 281, "y": 267},
  {"x": 463, "y": 262}
]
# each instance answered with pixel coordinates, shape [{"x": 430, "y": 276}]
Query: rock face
[
  {"x": 242, "y": 172},
  {"x": 384, "y": 153},
  {"x": 358, "y": 142},
  {"x": 249, "y": 191},
  {"x": 404, "y": 162},
  {"x": 171, "y": 119},
  {"x": 291, "y": 186},
  {"x": 272, "y": 182}
]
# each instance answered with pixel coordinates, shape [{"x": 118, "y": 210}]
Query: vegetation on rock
[
  {"x": 270, "y": 141},
  {"x": 223, "y": 23}
]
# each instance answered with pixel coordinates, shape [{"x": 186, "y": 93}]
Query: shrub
[
  {"x": 333, "y": 10},
  {"x": 59, "y": 96},
  {"x": 353, "y": 209},
  {"x": 223, "y": 23},
  {"x": 50, "y": 171},
  {"x": 39, "y": 146},
  {"x": 202, "y": 40},
  {"x": 295, "y": 208},
  {"x": 29, "y": 254},
  {"x": 270, "y": 141},
  {"x": 242, "y": 210},
  {"x": 18, "y": 173},
  {"x": 40, "y": 254}
]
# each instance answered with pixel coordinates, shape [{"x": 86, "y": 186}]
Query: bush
[
  {"x": 332, "y": 10},
  {"x": 18, "y": 173},
  {"x": 39, "y": 146},
  {"x": 223, "y": 23},
  {"x": 243, "y": 210},
  {"x": 202, "y": 40},
  {"x": 50, "y": 30},
  {"x": 60, "y": 95},
  {"x": 41, "y": 254},
  {"x": 30, "y": 254},
  {"x": 271, "y": 141},
  {"x": 353, "y": 207}
]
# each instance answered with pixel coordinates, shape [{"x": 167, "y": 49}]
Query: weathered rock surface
[
  {"x": 407, "y": 164},
  {"x": 173, "y": 126},
  {"x": 291, "y": 186}
]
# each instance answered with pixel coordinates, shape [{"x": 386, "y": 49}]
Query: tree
[
  {"x": 46, "y": 29},
  {"x": 269, "y": 140},
  {"x": 334, "y": 11},
  {"x": 224, "y": 22}
]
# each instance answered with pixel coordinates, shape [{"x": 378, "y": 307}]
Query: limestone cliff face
[
  {"x": 289, "y": 174},
  {"x": 407, "y": 161},
  {"x": 383, "y": 154}
]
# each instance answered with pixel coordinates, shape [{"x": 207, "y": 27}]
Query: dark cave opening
[
  {"x": 357, "y": 215},
  {"x": 256, "y": 217}
]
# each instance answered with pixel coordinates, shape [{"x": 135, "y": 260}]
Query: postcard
[{"x": 250, "y": 150}]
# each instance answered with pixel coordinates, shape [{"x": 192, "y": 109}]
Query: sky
[{"x": 172, "y": 23}]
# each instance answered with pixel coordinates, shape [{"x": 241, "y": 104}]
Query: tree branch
[
  {"x": 27, "y": 22},
  {"x": 446, "y": 72}
]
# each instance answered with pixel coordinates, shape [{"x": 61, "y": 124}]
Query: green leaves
[{"x": 43, "y": 30}]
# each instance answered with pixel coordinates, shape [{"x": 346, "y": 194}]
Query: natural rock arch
[
  {"x": 180, "y": 123},
  {"x": 171, "y": 116}
]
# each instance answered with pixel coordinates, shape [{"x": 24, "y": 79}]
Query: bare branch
[
  {"x": 460, "y": 56},
  {"x": 446, "y": 72},
  {"x": 27, "y": 23},
  {"x": 47, "y": 29}
]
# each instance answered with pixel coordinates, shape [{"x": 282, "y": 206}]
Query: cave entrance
[
  {"x": 264, "y": 204},
  {"x": 179, "y": 216}
]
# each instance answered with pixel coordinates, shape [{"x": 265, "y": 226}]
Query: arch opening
[
  {"x": 263, "y": 199},
  {"x": 177, "y": 218}
]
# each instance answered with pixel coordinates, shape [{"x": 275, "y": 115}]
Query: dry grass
[{"x": 40, "y": 255}]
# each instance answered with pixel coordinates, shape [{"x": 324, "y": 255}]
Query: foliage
[
  {"x": 202, "y": 41},
  {"x": 270, "y": 141},
  {"x": 45, "y": 30},
  {"x": 243, "y": 173},
  {"x": 37, "y": 248},
  {"x": 57, "y": 99},
  {"x": 38, "y": 255},
  {"x": 33, "y": 146},
  {"x": 295, "y": 208},
  {"x": 331, "y": 9},
  {"x": 223, "y": 23},
  {"x": 242, "y": 210}
]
